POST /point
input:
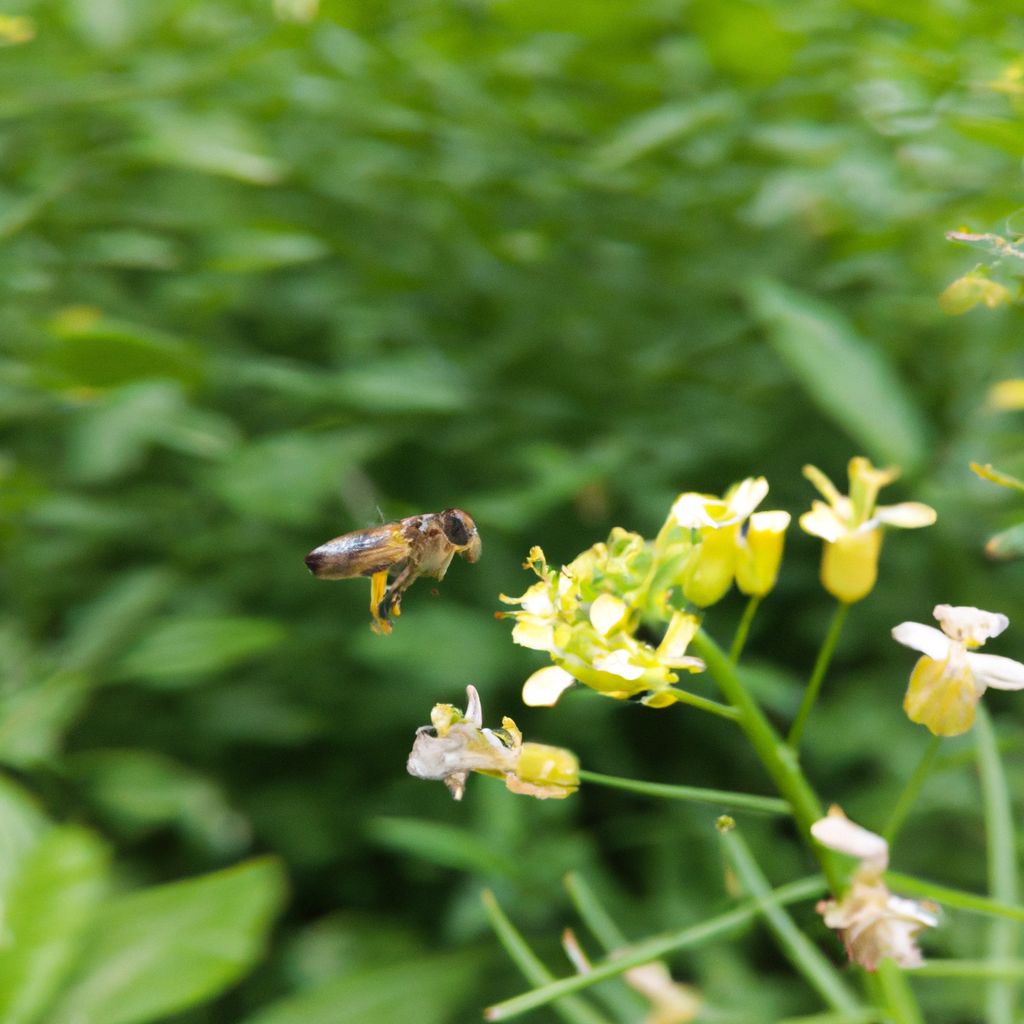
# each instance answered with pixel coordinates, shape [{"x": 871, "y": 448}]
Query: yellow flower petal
[
  {"x": 942, "y": 695},
  {"x": 607, "y": 613},
  {"x": 545, "y": 686}
]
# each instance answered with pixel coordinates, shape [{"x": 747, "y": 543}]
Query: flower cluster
[
  {"x": 872, "y": 922},
  {"x": 586, "y": 615},
  {"x": 456, "y": 743}
]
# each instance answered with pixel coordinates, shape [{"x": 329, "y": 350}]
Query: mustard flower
[
  {"x": 456, "y": 744},
  {"x": 872, "y": 922},
  {"x": 948, "y": 681},
  {"x": 725, "y": 550},
  {"x": 585, "y": 616},
  {"x": 851, "y": 526}
]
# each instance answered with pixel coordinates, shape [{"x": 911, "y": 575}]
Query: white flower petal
[
  {"x": 534, "y": 633},
  {"x": 997, "y": 672},
  {"x": 474, "y": 710},
  {"x": 545, "y": 686},
  {"x": 745, "y": 497},
  {"x": 769, "y": 522},
  {"x": 925, "y": 639},
  {"x": 908, "y": 515},
  {"x": 822, "y": 522},
  {"x": 690, "y": 510},
  {"x": 837, "y": 832},
  {"x": 618, "y": 664},
  {"x": 607, "y": 612},
  {"x": 970, "y": 625}
]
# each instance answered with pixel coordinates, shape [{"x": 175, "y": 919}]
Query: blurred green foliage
[{"x": 266, "y": 278}]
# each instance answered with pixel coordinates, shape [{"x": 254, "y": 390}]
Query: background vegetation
[{"x": 267, "y": 270}]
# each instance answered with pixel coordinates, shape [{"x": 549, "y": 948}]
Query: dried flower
[
  {"x": 872, "y": 922},
  {"x": 456, "y": 744}
]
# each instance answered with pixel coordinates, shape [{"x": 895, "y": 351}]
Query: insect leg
[{"x": 379, "y": 603}]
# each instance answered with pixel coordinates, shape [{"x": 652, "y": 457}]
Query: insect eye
[{"x": 455, "y": 528}]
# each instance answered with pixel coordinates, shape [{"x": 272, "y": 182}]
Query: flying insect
[{"x": 403, "y": 550}]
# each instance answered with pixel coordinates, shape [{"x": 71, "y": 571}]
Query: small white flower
[{"x": 947, "y": 683}]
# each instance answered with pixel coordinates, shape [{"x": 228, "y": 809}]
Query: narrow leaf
[{"x": 849, "y": 378}]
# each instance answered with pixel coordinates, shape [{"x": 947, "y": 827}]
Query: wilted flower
[
  {"x": 456, "y": 744},
  {"x": 872, "y": 922},
  {"x": 851, "y": 526},
  {"x": 947, "y": 683},
  {"x": 585, "y": 616}
]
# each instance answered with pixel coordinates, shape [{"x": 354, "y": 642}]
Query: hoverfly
[{"x": 405, "y": 549}]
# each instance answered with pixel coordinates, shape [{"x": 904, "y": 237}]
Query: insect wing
[{"x": 361, "y": 553}]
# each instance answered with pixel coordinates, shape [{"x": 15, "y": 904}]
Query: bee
[{"x": 405, "y": 549}]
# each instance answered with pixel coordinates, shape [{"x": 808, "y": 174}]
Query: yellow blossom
[
  {"x": 872, "y": 922},
  {"x": 456, "y": 743},
  {"x": 585, "y": 616},
  {"x": 973, "y": 288},
  {"x": 851, "y": 526},
  {"x": 948, "y": 681},
  {"x": 759, "y": 552}
]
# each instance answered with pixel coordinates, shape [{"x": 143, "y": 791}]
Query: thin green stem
[
  {"x": 740, "y": 639},
  {"x": 980, "y": 970},
  {"x": 817, "y": 675},
  {"x": 712, "y": 706},
  {"x": 571, "y": 1009},
  {"x": 955, "y": 898},
  {"x": 780, "y": 760},
  {"x": 911, "y": 790},
  {"x": 654, "y": 948},
  {"x": 895, "y": 994},
  {"x": 718, "y": 797},
  {"x": 1001, "y": 998},
  {"x": 802, "y": 953}
]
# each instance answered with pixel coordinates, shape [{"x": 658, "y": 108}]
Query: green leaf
[
  {"x": 850, "y": 379},
  {"x": 50, "y": 903},
  {"x": 152, "y": 953},
  {"x": 428, "y": 991},
  {"x": 107, "y": 623},
  {"x": 34, "y": 717},
  {"x": 447, "y": 845},
  {"x": 180, "y": 651},
  {"x": 139, "y": 790},
  {"x": 21, "y": 824}
]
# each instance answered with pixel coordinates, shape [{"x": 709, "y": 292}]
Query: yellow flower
[
  {"x": 711, "y": 565},
  {"x": 851, "y": 526},
  {"x": 585, "y": 616},
  {"x": 456, "y": 744},
  {"x": 947, "y": 683},
  {"x": 872, "y": 922},
  {"x": 968, "y": 291},
  {"x": 759, "y": 552}
]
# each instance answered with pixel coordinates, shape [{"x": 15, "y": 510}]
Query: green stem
[
  {"x": 713, "y": 706},
  {"x": 817, "y": 675},
  {"x": 802, "y": 953},
  {"x": 911, "y": 790},
  {"x": 981, "y": 970},
  {"x": 740, "y": 639},
  {"x": 570, "y": 1008},
  {"x": 780, "y": 760},
  {"x": 1002, "y": 867},
  {"x": 719, "y": 797},
  {"x": 654, "y": 948},
  {"x": 895, "y": 993},
  {"x": 955, "y": 898}
]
